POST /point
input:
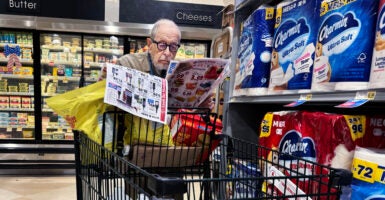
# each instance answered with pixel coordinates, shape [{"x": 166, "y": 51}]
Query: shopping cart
[{"x": 236, "y": 169}]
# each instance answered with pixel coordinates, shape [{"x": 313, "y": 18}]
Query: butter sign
[
  {"x": 25, "y": 6},
  {"x": 194, "y": 17}
]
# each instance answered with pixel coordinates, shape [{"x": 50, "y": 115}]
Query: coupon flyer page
[
  {"x": 191, "y": 81},
  {"x": 136, "y": 92}
]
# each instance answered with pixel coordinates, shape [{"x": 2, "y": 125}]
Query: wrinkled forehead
[{"x": 167, "y": 33}]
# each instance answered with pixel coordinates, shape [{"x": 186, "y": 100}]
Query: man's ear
[{"x": 149, "y": 42}]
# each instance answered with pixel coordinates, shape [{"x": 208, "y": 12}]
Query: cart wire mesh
[{"x": 223, "y": 168}]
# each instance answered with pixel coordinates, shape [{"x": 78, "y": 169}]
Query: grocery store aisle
[{"x": 38, "y": 187}]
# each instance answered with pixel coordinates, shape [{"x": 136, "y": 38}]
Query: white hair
[{"x": 154, "y": 29}]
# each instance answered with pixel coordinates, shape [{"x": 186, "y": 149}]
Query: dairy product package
[
  {"x": 377, "y": 73},
  {"x": 344, "y": 45},
  {"x": 368, "y": 174},
  {"x": 254, "y": 55},
  {"x": 295, "y": 33}
]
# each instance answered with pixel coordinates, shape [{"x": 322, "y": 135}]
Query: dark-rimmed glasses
[{"x": 163, "y": 46}]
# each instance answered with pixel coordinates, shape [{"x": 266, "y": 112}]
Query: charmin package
[
  {"x": 368, "y": 174},
  {"x": 252, "y": 76},
  {"x": 319, "y": 137},
  {"x": 377, "y": 73},
  {"x": 344, "y": 45},
  {"x": 293, "y": 46}
]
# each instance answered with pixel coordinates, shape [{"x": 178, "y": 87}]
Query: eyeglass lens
[{"x": 172, "y": 47}]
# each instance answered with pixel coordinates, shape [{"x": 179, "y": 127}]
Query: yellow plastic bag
[
  {"x": 143, "y": 131},
  {"x": 83, "y": 108}
]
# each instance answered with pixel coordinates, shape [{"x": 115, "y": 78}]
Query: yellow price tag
[
  {"x": 267, "y": 122},
  {"x": 368, "y": 171},
  {"x": 19, "y": 128},
  {"x": 357, "y": 124},
  {"x": 371, "y": 95},
  {"x": 65, "y": 80}
]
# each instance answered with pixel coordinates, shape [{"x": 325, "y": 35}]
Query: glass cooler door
[
  {"x": 17, "y": 120},
  {"x": 97, "y": 51},
  {"x": 61, "y": 71}
]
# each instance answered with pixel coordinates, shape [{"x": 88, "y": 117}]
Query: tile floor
[{"x": 38, "y": 187}]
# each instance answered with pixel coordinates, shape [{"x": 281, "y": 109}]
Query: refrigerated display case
[
  {"x": 97, "y": 51},
  {"x": 61, "y": 71},
  {"x": 16, "y": 85}
]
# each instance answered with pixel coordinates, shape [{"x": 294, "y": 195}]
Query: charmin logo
[
  {"x": 289, "y": 31},
  {"x": 336, "y": 24},
  {"x": 293, "y": 144}
]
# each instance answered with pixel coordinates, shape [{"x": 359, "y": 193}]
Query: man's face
[{"x": 167, "y": 34}]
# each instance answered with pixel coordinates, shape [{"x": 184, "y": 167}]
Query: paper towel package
[
  {"x": 254, "y": 55},
  {"x": 344, "y": 45},
  {"x": 368, "y": 174},
  {"x": 293, "y": 51},
  {"x": 377, "y": 73}
]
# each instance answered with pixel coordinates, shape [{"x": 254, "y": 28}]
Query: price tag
[
  {"x": 19, "y": 128},
  {"x": 65, "y": 80},
  {"x": 302, "y": 99},
  {"x": 360, "y": 99},
  {"x": 9, "y": 129},
  {"x": 367, "y": 171},
  {"x": 60, "y": 129}
]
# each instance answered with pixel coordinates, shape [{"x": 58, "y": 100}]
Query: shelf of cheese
[
  {"x": 16, "y": 76},
  {"x": 60, "y": 78},
  {"x": 117, "y": 52},
  {"x": 17, "y": 93},
  {"x": 60, "y": 62},
  {"x": 23, "y": 61},
  {"x": 20, "y": 45}
]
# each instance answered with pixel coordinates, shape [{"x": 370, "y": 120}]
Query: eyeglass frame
[{"x": 167, "y": 45}]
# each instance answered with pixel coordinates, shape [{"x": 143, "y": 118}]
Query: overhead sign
[
  {"x": 184, "y": 16},
  {"x": 149, "y": 11},
  {"x": 24, "y": 6}
]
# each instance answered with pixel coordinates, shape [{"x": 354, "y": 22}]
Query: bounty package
[
  {"x": 293, "y": 46},
  {"x": 344, "y": 45},
  {"x": 254, "y": 54},
  {"x": 377, "y": 74}
]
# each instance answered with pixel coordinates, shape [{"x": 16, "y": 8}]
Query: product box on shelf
[
  {"x": 254, "y": 53},
  {"x": 377, "y": 73},
  {"x": 345, "y": 33},
  {"x": 294, "y": 46}
]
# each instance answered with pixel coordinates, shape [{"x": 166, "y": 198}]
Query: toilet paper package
[
  {"x": 293, "y": 53},
  {"x": 254, "y": 55},
  {"x": 377, "y": 73},
  {"x": 344, "y": 45},
  {"x": 368, "y": 174}
]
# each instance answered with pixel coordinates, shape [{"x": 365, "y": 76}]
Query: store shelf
[
  {"x": 20, "y": 45},
  {"x": 105, "y": 51},
  {"x": 23, "y": 61},
  {"x": 18, "y": 109},
  {"x": 17, "y": 126},
  {"x": 61, "y": 78},
  {"x": 16, "y": 93},
  {"x": 16, "y": 76},
  {"x": 58, "y": 62},
  {"x": 61, "y": 48}
]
